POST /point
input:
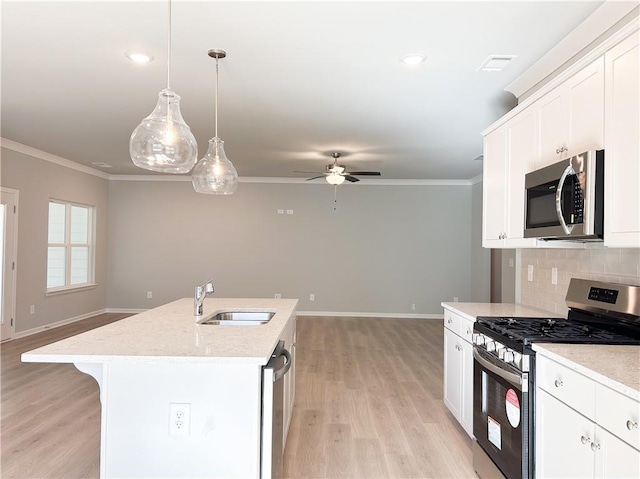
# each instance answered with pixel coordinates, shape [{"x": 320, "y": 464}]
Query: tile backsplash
[{"x": 611, "y": 265}]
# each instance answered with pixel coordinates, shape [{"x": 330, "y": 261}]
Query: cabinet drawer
[
  {"x": 619, "y": 414},
  {"x": 570, "y": 387},
  {"x": 450, "y": 321},
  {"x": 466, "y": 329}
]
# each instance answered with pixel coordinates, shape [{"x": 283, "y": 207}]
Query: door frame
[{"x": 11, "y": 256}]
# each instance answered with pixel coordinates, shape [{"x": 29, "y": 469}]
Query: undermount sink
[{"x": 240, "y": 318}]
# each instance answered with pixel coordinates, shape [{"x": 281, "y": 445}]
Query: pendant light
[
  {"x": 163, "y": 141},
  {"x": 214, "y": 174}
]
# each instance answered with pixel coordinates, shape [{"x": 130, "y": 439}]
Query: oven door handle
[
  {"x": 568, "y": 171},
  {"x": 513, "y": 378}
]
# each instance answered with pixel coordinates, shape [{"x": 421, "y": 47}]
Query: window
[{"x": 70, "y": 254}]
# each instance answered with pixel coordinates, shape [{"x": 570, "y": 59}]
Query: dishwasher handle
[{"x": 284, "y": 369}]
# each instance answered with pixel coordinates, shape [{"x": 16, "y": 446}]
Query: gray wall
[
  {"x": 382, "y": 249},
  {"x": 480, "y": 257},
  {"x": 37, "y": 182}
]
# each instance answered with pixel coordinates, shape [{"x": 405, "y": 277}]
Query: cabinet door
[
  {"x": 585, "y": 91},
  {"x": 622, "y": 144},
  {"x": 494, "y": 179},
  {"x": 563, "y": 440},
  {"x": 452, "y": 372},
  {"x": 552, "y": 127},
  {"x": 466, "y": 402},
  {"x": 521, "y": 156},
  {"x": 614, "y": 458}
]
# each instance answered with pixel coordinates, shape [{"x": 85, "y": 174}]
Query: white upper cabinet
[
  {"x": 570, "y": 118},
  {"x": 622, "y": 144},
  {"x": 509, "y": 153}
]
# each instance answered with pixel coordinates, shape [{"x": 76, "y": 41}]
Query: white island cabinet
[
  {"x": 181, "y": 399},
  {"x": 587, "y": 420}
]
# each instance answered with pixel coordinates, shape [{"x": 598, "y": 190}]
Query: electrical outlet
[
  {"x": 179, "y": 419},
  {"x": 530, "y": 272},
  {"x": 280, "y": 212},
  {"x": 455, "y": 299},
  {"x": 289, "y": 212},
  {"x": 32, "y": 309},
  {"x": 149, "y": 294},
  {"x": 413, "y": 307},
  {"x": 554, "y": 275},
  {"x": 277, "y": 296},
  {"x": 510, "y": 262},
  {"x": 312, "y": 297}
]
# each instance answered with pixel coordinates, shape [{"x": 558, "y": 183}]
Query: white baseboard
[
  {"x": 57, "y": 324},
  {"x": 333, "y": 314},
  {"x": 352, "y": 314}
]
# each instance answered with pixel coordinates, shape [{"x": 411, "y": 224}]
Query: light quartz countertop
[
  {"x": 473, "y": 310},
  {"x": 617, "y": 367},
  {"x": 170, "y": 333}
]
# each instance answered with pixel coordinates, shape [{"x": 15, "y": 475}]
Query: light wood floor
[{"x": 368, "y": 405}]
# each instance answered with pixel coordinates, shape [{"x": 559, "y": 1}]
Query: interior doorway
[{"x": 8, "y": 258}]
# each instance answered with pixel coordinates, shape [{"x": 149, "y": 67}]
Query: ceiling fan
[{"x": 335, "y": 174}]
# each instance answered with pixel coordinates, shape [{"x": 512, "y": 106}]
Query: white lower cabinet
[
  {"x": 572, "y": 444},
  {"x": 458, "y": 369},
  {"x": 289, "y": 337}
]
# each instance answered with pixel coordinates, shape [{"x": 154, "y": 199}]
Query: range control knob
[{"x": 479, "y": 339}]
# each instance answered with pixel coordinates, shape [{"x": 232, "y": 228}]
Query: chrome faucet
[{"x": 201, "y": 292}]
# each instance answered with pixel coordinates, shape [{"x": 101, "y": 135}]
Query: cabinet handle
[
  {"x": 470, "y": 332},
  {"x": 585, "y": 440},
  {"x": 449, "y": 321},
  {"x": 558, "y": 383},
  {"x": 562, "y": 149},
  {"x": 594, "y": 446},
  {"x": 632, "y": 425}
]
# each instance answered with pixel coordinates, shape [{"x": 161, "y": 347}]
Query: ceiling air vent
[{"x": 496, "y": 63}]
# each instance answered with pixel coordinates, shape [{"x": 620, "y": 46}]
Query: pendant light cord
[
  {"x": 169, "y": 51},
  {"x": 216, "y": 106}
]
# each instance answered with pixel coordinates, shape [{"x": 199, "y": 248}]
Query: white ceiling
[{"x": 301, "y": 79}]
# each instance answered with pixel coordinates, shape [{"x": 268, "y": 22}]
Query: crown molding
[
  {"x": 58, "y": 160},
  {"x": 43, "y": 155}
]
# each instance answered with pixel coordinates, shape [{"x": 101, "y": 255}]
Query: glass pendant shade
[
  {"x": 335, "y": 178},
  {"x": 163, "y": 142},
  {"x": 214, "y": 174}
]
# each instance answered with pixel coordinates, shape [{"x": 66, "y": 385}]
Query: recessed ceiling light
[
  {"x": 413, "y": 59},
  {"x": 139, "y": 57},
  {"x": 496, "y": 63}
]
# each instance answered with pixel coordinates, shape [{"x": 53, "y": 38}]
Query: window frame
[{"x": 68, "y": 245}]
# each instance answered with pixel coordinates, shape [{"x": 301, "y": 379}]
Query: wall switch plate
[
  {"x": 312, "y": 297},
  {"x": 277, "y": 296},
  {"x": 289, "y": 212},
  {"x": 179, "y": 419},
  {"x": 554, "y": 275},
  {"x": 455, "y": 299},
  {"x": 510, "y": 262},
  {"x": 280, "y": 212},
  {"x": 530, "y": 272},
  {"x": 149, "y": 294},
  {"x": 32, "y": 309}
]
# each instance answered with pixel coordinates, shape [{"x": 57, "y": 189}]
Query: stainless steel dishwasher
[{"x": 272, "y": 447}]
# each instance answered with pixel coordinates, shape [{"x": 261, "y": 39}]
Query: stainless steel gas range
[{"x": 504, "y": 369}]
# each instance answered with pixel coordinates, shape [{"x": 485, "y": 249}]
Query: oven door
[{"x": 501, "y": 415}]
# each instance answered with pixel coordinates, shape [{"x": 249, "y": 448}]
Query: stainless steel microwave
[{"x": 564, "y": 201}]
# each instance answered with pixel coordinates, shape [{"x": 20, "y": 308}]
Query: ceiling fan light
[
  {"x": 335, "y": 179},
  {"x": 214, "y": 174}
]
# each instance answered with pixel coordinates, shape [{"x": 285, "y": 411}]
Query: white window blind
[{"x": 70, "y": 255}]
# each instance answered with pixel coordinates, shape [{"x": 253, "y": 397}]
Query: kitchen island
[{"x": 154, "y": 363}]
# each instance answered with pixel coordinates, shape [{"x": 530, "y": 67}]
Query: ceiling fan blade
[
  {"x": 365, "y": 173},
  {"x": 309, "y": 172},
  {"x": 350, "y": 178},
  {"x": 315, "y": 177}
]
